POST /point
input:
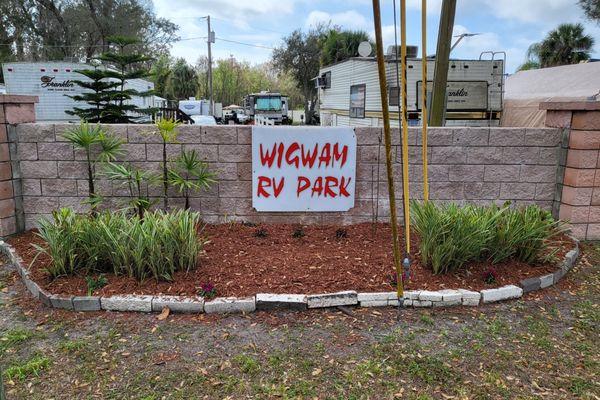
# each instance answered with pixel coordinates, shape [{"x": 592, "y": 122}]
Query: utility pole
[
  {"x": 442, "y": 61},
  {"x": 209, "y": 41}
]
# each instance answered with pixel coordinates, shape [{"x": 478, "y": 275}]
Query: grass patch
[
  {"x": 72, "y": 345},
  {"x": 247, "y": 364},
  {"x": 32, "y": 367},
  {"x": 14, "y": 337}
]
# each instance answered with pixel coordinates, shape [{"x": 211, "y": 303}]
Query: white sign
[
  {"x": 462, "y": 95},
  {"x": 303, "y": 168}
]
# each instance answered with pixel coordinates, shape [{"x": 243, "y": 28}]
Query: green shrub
[
  {"x": 157, "y": 245},
  {"x": 453, "y": 235}
]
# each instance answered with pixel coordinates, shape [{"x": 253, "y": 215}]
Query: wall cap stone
[{"x": 570, "y": 105}]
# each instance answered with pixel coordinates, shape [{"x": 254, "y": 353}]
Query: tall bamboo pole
[
  {"x": 442, "y": 61},
  {"x": 424, "y": 98},
  {"x": 405, "y": 187},
  {"x": 387, "y": 135}
]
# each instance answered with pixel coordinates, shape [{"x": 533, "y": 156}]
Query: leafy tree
[
  {"x": 591, "y": 9},
  {"x": 182, "y": 81},
  {"x": 529, "y": 64},
  {"x": 567, "y": 44},
  {"x": 188, "y": 172},
  {"x": 338, "y": 45},
  {"x": 99, "y": 147},
  {"x": 79, "y": 29},
  {"x": 300, "y": 56},
  {"x": 160, "y": 71},
  {"x": 167, "y": 129}
]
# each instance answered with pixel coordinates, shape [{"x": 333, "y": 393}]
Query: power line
[{"x": 245, "y": 44}]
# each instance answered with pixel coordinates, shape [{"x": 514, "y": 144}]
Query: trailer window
[
  {"x": 393, "y": 94},
  {"x": 268, "y": 103},
  {"x": 357, "y": 101}
]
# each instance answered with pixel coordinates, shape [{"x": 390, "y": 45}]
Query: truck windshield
[{"x": 268, "y": 103}]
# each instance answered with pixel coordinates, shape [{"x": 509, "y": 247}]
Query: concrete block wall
[
  {"x": 13, "y": 110},
  {"x": 579, "y": 192},
  {"x": 478, "y": 165}
]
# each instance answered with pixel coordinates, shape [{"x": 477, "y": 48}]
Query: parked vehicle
[
  {"x": 53, "y": 83},
  {"x": 269, "y": 105},
  {"x": 203, "y": 120}
]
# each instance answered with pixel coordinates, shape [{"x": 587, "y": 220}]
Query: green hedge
[
  {"x": 452, "y": 235},
  {"x": 155, "y": 246}
]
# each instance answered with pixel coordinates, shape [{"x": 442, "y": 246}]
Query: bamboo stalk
[
  {"x": 405, "y": 184},
  {"x": 424, "y": 98},
  {"x": 388, "y": 144}
]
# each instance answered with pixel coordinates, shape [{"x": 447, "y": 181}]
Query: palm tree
[
  {"x": 189, "y": 173},
  {"x": 567, "y": 44},
  {"x": 167, "y": 129},
  {"x": 99, "y": 147}
]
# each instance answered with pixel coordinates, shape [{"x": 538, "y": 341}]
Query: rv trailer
[
  {"x": 52, "y": 82},
  {"x": 349, "y": 92}
]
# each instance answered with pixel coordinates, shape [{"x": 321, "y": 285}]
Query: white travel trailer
[
  {"x": 349, "y": 92},
  {"x": 52, "y": 81}
]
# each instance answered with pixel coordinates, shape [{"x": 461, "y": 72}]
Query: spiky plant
[
  {"x": 138, "y": 182},
  {"x": 99, "y": 147},
  {"x": 167, "y": 129},
  {"x": 188, "y": 172}
]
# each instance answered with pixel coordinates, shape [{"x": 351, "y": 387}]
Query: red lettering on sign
[
  {"x": 343, "y": 154},
  {"x": 329, "y": 182},
  {"x": 280, "y": 149},
  {"x": 344, "y": 187},
  {"x": 278, "y": 188},
  {"x": 309, "y": 158},
  {"x": 303, "y": 184},
  {"x": 325, "y": 156},
  {"x": 267, "y": 157},
  {"x": 317, "y": 186},
  {"x": 290, "y": 158},
  {"x": 263, "y": 182}
]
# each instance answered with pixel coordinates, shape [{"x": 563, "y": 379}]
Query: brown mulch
[{"x": 239, "y": 263}]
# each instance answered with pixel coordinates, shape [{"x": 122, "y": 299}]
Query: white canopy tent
[{"x": 525, "y": 90}]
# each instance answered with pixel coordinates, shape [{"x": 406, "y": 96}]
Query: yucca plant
[
  {"x": 99, "y": 147},
  {"x": 188, "y": 172},
  {"x": 138, "y": 182},
  {"x": 167, "y": 129}
]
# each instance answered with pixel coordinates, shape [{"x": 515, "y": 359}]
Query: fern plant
[
  {"x": 99, "y": 147},
  {"x": 188, "y": 172}
]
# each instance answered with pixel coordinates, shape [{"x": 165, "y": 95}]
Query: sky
[{"x": 503, "y": 25}]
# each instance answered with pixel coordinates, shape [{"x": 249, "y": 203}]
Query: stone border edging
[{"x": 269, "y": 301}]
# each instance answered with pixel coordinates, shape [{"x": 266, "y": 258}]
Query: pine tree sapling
[
  {"x": 188, "y": 172},
  {"x": 99, "y": 147},
  {"x": 167, "y": 129}
]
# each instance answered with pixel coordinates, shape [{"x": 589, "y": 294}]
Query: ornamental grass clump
[
  {"x": 453, "y": 235},
  {"x": 155, "y": 246}
]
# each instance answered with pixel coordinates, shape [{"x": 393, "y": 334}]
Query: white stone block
[
  {"x": 470, "y": 302},
  {"x": 346, "y": 298},
  {"x": 407, "y": 303},
  {"x": 230, "y": 305},
  {"x": 430, "y": 296},
  {"x": 412, "y": 294},
  {"x": 546, "y": 280},
  {"x": 451, "y": 295},
  {"x": 503, "y": 293},
  {"x": 127, "y": 303},
  {"x": 422, "y": 303},
  {"x": 470, "y": 294},
  {"x": 178, "y": 304},
  {"x": 374, "y": 303},
  {"x": 394, "y": 303},
  {"x": 448, "y": 303},
  {"x": 269, "y": 301},
  {"x": 376, "y": 296}
]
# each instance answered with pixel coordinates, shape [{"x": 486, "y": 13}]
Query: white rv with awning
[
  {"x": 52, "y": 82},
  {"x": 349, "y": 92}
]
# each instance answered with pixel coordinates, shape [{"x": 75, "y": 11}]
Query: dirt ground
[{"x": 546, "y": 345}]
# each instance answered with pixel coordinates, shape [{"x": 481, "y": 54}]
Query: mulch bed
[{"x": 239, "y": 263}]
